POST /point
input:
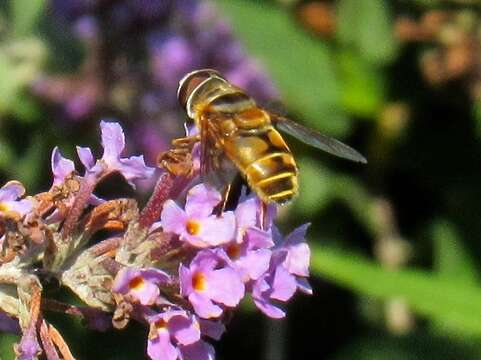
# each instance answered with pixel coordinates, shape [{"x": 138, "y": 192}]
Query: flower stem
[
  {"x": 87, "y": 187},
  {"x": 153, "y": 208}
]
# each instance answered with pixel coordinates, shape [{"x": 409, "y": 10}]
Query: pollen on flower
[
  {"x": 199, "y": 281},
  {"x": 233, "y": 251},
  {"x": 193, "y": 227},
  {"x": 3, "y": 207},
  {"x": 136, "y": 283}
]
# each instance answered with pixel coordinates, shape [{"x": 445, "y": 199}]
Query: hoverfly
[{"x": 236, "y": 135}]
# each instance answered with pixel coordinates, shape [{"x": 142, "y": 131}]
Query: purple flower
[
  {"x": 198, "y": 351},
  {"x": 9, "y": 202},
  {"x": 171, "y": 59},
  {"x": 113, "y": 142},
  {"x": 208, "y": 281},
  {"x": 211, "y": 328},
  {"x": 169, "y": 330},
  {"x": 28, "y": 348},
  {"x": 61, "y": 167},
  {"x": 141, "y": 285},
  {"x": 249, "y": 252},
  {"x": 297, "y": 252},
  {"x": 287, "y": 272},
  {"x": 196, "y": 224},
  {"x": 9, "y": 324}
]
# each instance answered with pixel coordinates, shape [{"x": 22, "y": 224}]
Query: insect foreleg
[
  {"x": 178, "y": 160},
  {"x": 186, "y": 142}
]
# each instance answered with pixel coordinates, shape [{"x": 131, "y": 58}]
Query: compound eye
[{"x": 190, "y": 81}]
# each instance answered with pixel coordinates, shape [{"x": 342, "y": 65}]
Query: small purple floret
[
  {"x": 169, "y": 331},
  {"x": 140, "y": 285},
  {"x": 9, "y": 199},
  {"x": 113, "y": 142},
  {"x": 196, "y": 225},
  {"x": 289, "y": 267},
  {"x": 61, "y": 167},
  {"x": 209, "y": 283}
]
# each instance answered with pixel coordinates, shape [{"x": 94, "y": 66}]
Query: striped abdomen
[{"x": 261, "y": 154}]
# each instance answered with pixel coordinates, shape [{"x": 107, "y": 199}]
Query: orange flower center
[
  {"x": 136, "y": 283},
  {"x": 233, "y": 251},
  {"x": 160, "y": 324},
  {"x": 199, "y": 282},
  {"x": 193, "y": 227},
  {"x": 3, "y": 207}
]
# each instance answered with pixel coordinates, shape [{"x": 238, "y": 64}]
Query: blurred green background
[{"x": 395, "y": 244}]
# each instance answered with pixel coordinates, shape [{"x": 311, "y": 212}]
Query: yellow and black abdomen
[{"x": 261, "y": 154}]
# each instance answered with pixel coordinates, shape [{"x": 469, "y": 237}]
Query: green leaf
[
  {"x": 451, "y": 301},
  {"x": 313, "y": 176},
  {"x": 366, "y": 25},
  {"x": 416, "y": 345},
  {"x": 356, "y": 197},
  {"x": 8, "y": 84},
  {"x": 301, "y": 66},
  {"x": 452, "y": 259},
  {"x": 28, "y": 168},
  {"x": 6, "y": 345},
  {"x": 25, "y": 15},
  {"x": 363, "y": 85},
  {"x": 20, "y": 61},
  {"x": 25, "y": 108},
  {"x": 6, "y": 154},
  {"x": 330, "y": 186}
]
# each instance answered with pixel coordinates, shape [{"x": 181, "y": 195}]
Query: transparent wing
[
  {"x": 215, "y": 168},
  {"x": 316, "y": 139}
]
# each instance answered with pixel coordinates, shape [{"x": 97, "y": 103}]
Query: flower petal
[
  {"x": 284, "y": 284},
  {"x": 218, "y": 230},
  {"x": 212, "y": 329},
  {"x": 205, "y": 261},
  {"x": 297, "y": 236},
  {"x": 254, "y": 263},
  {"x": 61, "y": 167},
  {"x": 258, "y": 239},
  {"x": 225, "y": 286},
  {"x": 185, "y": 330},
  {"x": 22, "y": 207},
  {"x": 269, "y": 309},
  {"x": 161, "y": 348},
  {"x": 204, "y": 307},
  {"x": 134, "y": 168},
  {"x": 86, "y": 157},
  {"x": 198, "y": 351},
  {"x": 246, "y": 214},
  {"x": 201, "y": 200},
  {"x": 173, "y": 218},
  {"x": 297, "y": 260},
  {"x": 113, "y": 140},
  {"x": 11, "y": 191},
  {"x": 304, "y": 286},
  {"x": 185, "y": 279}
]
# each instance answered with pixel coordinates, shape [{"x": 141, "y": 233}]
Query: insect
[{"x": 236, "y": 135}]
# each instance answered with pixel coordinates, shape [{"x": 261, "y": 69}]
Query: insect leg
[
  {"x": 225, "y": 196},
  {"x": 186, "y": 142},
  {"x": 178, "y": 160}
]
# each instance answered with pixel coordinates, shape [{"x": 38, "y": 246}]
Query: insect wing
[
  {"x": 317, "y": 140},
  {"x": 215, "y": 168}
]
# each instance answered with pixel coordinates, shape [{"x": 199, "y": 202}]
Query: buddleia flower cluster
[{"x": 180, "y": 265}]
